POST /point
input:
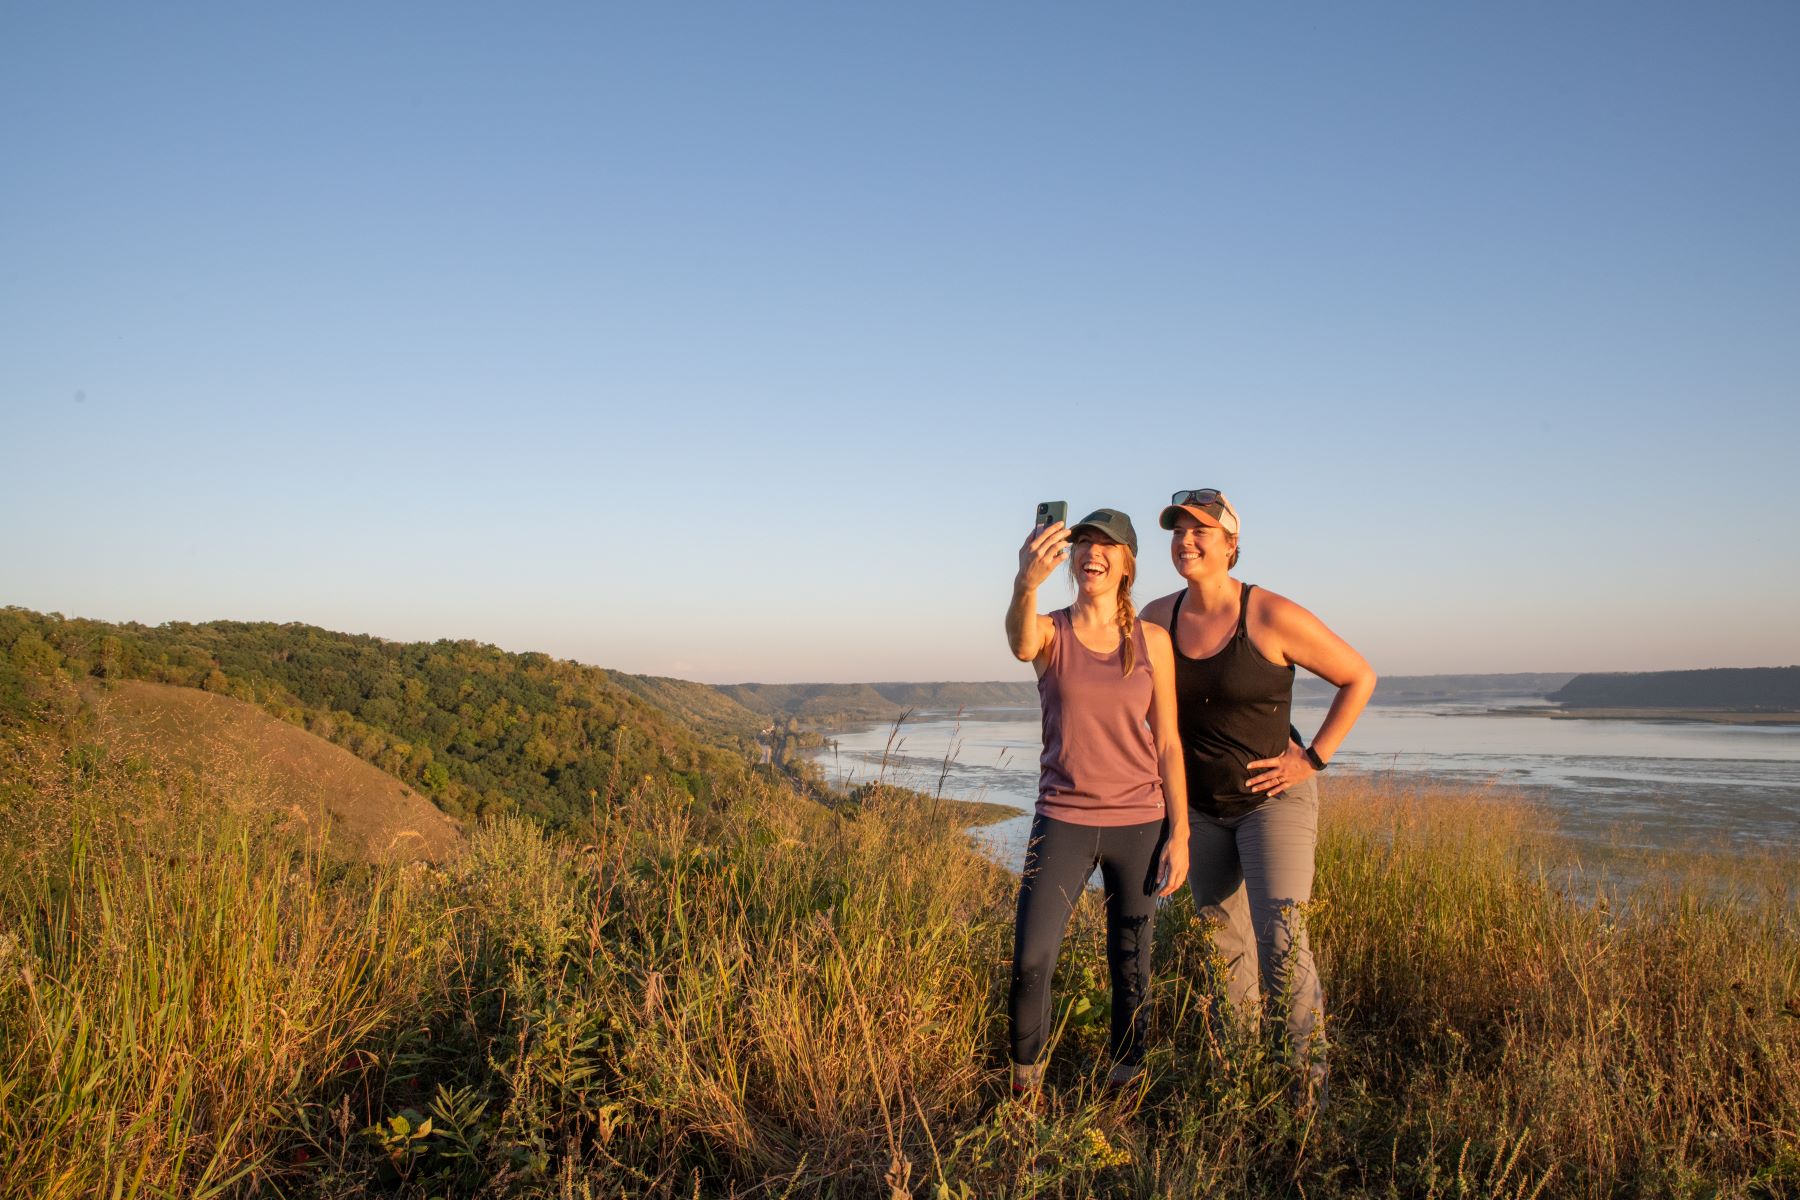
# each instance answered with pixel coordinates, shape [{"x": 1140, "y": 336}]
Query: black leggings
[{"x": 1058, "y": 861}]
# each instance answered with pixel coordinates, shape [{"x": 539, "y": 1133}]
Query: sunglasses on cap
[{"x": 1210, "y": 501}]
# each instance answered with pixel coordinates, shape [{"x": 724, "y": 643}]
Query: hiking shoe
[{"x": 1028, "y": 1085}]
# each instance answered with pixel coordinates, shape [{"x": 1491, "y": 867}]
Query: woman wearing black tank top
[{"x": 1253, "y": 804}]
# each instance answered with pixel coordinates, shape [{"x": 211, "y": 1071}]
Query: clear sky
[{"x": 737, "y": 341}]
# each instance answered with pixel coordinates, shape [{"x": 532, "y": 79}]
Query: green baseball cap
[{"x": 1111, "y": 523}]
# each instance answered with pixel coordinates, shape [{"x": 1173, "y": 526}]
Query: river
[{"x": 1605, "y": 783}]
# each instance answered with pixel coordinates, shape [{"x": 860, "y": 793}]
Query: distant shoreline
[
  {"x": 1706, "y": 716},
  {"x": 1665, "y": 716}
]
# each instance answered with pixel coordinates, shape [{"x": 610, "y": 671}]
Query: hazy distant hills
[
  {"x": 746, "y": 705},
  {"x": 883, "y": 700},
  {"x": 1441, "y": 689},
  {"x": 836, "y": 704},
  {"x": 742, "y": 706},
  {"x": 829, "y": 704},
  {"x": 699, "y": 704},
  {"x": 1732, "y": 689}
]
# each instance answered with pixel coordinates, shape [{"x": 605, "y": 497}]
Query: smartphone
[{"x": 1052, "y": 511}]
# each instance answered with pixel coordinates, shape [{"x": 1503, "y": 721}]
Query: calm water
[{"x": 1631, "y": 783}]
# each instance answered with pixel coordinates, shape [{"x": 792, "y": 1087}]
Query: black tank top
[{"x": 1232, "y": 709}]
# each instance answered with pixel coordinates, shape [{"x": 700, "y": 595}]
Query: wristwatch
[{"x": 1312, "y": 756}]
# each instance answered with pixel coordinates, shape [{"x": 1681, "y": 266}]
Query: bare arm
[
  {"x": 1028, "y": 632},
  {"x": 1303, "y": 640},
  {"x": 1308, "y": 643},
  {"x": 1171, "y": 764}
]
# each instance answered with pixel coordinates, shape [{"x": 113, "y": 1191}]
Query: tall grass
[
  {"x": 757, "y": 995},
  {"x": 171, "y": 982},
  {"x": 1643, "y": 1037}
]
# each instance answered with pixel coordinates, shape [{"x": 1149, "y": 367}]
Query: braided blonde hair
[{"x": 1127, "y": 614}]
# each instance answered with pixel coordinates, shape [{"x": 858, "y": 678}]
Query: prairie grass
[
  {"x": 757, "y": 995},
  {"x": 174, "y": 974}
]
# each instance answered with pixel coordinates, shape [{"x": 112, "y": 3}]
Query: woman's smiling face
[
  {"x": 1197, "y": 549},
  {"x": 1097, "y": 564}
]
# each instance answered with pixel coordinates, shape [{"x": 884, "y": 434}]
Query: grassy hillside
[
  {"x": 215, "y": 740},
  {"x": 815, "y": 704},
  {"x": 477, "y": 730},
  {"x": 698, "y": 704}
]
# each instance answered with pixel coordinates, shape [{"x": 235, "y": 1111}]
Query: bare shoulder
[
  {"x": 1155, "y": 636},
  {"x": 1277, "y": 611},
  {"x": 1280, "y": 629},
  {"x": 1158, "y": 611},
  {"x": 1284, "y": 631}
]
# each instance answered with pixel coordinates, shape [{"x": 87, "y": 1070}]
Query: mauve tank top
[
  {"x": 1233, "y": 710},
  {"x": 1099, "y": 761}
]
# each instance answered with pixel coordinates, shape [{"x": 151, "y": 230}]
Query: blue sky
[{"x": 737, "y": 341}]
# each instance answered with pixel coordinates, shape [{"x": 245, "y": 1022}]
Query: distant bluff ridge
[{"x": 1733, "y": 689}]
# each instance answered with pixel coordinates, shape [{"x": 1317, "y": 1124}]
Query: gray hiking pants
[{"x": 1248, "y": 875}]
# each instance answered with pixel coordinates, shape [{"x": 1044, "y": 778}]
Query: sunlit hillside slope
[{"x": 271, "y": 765}]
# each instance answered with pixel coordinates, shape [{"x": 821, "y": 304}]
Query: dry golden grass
[
  {"x": 177, "y": 969},
  {"x": 761, "y": 997}
]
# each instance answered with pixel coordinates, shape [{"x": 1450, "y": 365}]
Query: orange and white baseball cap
[{"x": 1206, "y": 505}]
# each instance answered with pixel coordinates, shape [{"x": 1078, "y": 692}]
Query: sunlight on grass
[{"x": 757, "y": 993}]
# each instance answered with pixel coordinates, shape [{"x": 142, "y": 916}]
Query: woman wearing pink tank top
[{"x": 1111, "y": 788}]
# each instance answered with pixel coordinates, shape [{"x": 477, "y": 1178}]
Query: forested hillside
[
  {"x": 479, "y": 730},
  {"x": 700, "y": 704},
  {"x": 1739, "y": 689}
]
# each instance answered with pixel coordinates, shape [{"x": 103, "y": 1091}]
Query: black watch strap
[{"x": 1312, "y": 756}]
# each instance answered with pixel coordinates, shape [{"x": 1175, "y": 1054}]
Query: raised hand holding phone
[{"x": 1047, "y": 546}]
